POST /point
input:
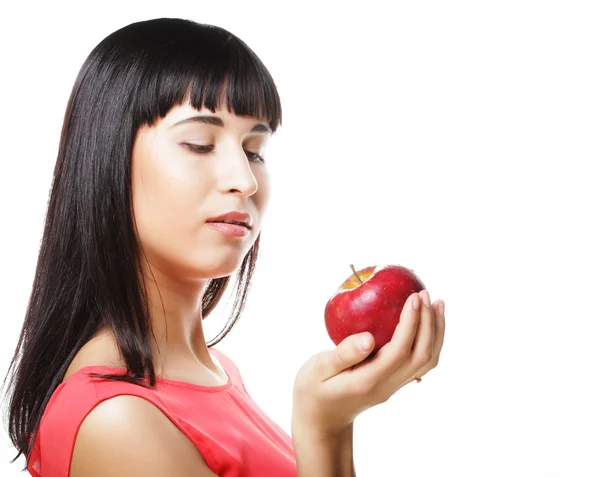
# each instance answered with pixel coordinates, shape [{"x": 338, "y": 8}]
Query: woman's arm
[
  {"x": 127, "y": 436},
  {"x": 326, "y": 456}
]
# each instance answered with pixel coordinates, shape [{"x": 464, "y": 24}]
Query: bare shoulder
[
  {"x": 128, "y": 436},
  {"x": 100, "y": 350}
]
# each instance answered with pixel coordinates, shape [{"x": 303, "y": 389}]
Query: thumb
[{"x": 351, "y": 351}]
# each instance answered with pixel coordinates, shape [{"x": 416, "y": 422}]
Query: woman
[{"x": 159, "y": 190}]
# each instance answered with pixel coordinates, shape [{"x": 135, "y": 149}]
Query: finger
[
  {"x": 434, "y": 310},
  {"x": 405, "y": 332},
  {"x": 351, "y": 351},
  {"x": 437, "y": 343},
  {"x": 440, "y": 331},
  {"x": 398, "y": 350},
  {"x": 423, "y": 344}
]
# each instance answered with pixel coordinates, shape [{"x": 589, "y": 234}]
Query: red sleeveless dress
[{"x": 235, "y": 437}]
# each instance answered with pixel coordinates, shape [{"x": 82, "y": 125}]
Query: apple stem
[{"x": 355, "y": 274}]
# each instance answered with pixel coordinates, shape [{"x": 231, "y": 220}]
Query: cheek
[{"x": 166, "y": 199}]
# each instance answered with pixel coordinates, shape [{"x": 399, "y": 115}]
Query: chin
[
  {"x": 220, "y": 267},
  {"x": 205, "y": 259}
]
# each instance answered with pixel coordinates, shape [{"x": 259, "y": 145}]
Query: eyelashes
[{"x": 253, "y": 156}]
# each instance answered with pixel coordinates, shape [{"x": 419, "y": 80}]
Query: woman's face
[{"x": 176, "y": 189}]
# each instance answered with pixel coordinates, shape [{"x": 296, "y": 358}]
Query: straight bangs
[{"x": 205, "y": 66}]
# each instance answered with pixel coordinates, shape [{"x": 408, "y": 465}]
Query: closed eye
[{"x": 253, "y": 156}]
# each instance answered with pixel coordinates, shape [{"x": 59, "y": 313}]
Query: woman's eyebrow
[{"x": 216, "y": 121}]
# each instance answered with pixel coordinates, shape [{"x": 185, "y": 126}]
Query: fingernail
[
  {"x": 442, "y": 308},
  {"x": 415, "y": 302},
  {"x": 426, "y": 298},
  {"x": 364, "y": 343}
]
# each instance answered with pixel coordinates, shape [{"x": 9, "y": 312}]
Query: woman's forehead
[
  {"x": 185, "y": 111},
  {"x": 185, "y": 116}
]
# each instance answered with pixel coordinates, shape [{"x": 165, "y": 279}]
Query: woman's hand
[{"x": 335, "y": 386}]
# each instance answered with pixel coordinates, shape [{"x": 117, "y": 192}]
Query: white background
[{"x": 459, "y": 139}]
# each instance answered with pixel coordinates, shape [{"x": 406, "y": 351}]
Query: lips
[
  {"x": 233, "y": 217},
  {"x": 229, "y": 222}
]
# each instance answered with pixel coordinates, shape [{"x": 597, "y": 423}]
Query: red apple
[{"x": 370, "y": 300}]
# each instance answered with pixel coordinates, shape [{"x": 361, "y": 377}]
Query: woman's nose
[{"x": 236, "y": 175}]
